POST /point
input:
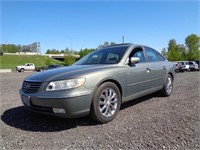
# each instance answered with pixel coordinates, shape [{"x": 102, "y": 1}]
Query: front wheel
[
  {"x": 167, "y": 87},
  {"x": 106, "y": 103}
]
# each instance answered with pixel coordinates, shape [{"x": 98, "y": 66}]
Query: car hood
[{"x": 68, "y": 72}]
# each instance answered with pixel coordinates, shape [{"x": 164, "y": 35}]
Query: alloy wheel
[
  {"x": 169, "y": 85},
  {"x": 108, "y": 102}
]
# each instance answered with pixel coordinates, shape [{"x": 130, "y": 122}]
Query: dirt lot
[{"x": 151, "y": 122}]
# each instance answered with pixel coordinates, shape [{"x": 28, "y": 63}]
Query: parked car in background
[
  {"x": 29, "y": 67},
  {"x": 54, "y": 66},
  {"x": 193, "y": 66},
  {"x": 39, "y": 69},
  {"x": 98, "y": 83},
  {"x": 26, "y": 67},
  {"x": 179, "y": 67},
  {"x": 183, "y": 65},
  {"x": 197, "y": 61}
]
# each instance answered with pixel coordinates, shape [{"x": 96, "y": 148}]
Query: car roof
[{"x": 127, "y": 44}]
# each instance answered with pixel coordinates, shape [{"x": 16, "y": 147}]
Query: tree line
[
  {"x": 188, "y": 51},
  {"x": 10, "y": 48},
  {"x": 82, "y": 52}
]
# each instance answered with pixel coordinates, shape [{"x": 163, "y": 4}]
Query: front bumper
[
  {"x": 76, "y": 105},
  {"x": 193, "y": 68}
]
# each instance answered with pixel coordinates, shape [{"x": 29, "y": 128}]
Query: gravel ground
[{"x": 151, "y": 122}]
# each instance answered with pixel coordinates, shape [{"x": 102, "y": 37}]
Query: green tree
[
  {"x": 112, "y": 43},
  {"x": 164, "y": 52},
  {"x": 105, "y": 44},
  {"x": 172, "y": 45},
  {"x": 52, "y": 51},
  {"x": 48, "y": 62},
  {"x": 69, "y": 59},
  {"x": 2, "y": 48},
  {"x": 48, "y": 51},
  {"x": 85, "y": 51},
  {"x": 19, "y": 47},
  {"x": 9, "y": 48},
  {"x": 193, "y": 44},
  {"x": 75, "y": 52},
  {"x": 182, "y": 52},
  {"x": 173, "y": 54},
  {"x": 67, "y": 51}
]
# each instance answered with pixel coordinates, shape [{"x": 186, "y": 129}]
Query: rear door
[{"x": 157, "y": 68}]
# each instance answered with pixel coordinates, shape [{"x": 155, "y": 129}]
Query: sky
[{"x": 87, "y": 24}]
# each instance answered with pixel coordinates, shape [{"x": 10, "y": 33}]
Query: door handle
[
  {"x": 148, "y": 70},
  {"x": 164, "y": 68}
]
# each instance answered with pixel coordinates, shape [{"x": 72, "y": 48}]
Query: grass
[{"x": 11, "y": 61}]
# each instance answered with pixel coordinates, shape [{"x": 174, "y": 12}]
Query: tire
[
  {"x": 22, "y": 70},
  {"x": 167, "y": 87},
  {"x": 106, "y": 103}
]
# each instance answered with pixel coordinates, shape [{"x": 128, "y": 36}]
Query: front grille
[{"x": 31, "y": 87}]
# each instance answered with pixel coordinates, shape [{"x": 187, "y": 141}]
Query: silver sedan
[{"x": 99, "y": 83}]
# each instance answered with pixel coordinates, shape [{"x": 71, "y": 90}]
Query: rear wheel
[
  {"x": 106, "y": 103},
  {"x": 167, "y": 87},
  {"x": 22, "y": 70}
]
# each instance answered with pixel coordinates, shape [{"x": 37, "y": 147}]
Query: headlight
[{"x": 65, "y": 84}]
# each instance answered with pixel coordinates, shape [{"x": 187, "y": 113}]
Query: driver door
[{"x": 137, "y": 75}]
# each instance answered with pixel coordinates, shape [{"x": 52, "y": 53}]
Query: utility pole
[
  {"x": 6, "y": 46},
  {"x": 71, "y": 42},
  {"x": 123, "y": 39}
]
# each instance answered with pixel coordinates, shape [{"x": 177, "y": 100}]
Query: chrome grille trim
[{"x": 31, "y": 87}]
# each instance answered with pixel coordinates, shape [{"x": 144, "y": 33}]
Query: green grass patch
[{"x": 11, "y": 61}]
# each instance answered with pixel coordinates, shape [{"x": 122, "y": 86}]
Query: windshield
[{"x": 110, "y": 55}]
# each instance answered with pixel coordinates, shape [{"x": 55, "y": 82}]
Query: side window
[
  {"x": 138, "y": 52},
  {"x": 95, "y": 59},
  {"x": 153, "y": 56},
  {"x": 112, "y": 58}
]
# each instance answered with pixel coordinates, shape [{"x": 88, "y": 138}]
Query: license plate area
[{"x": 26, "y": 100}]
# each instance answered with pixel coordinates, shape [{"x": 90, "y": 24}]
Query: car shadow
[{"x": 20, "y": 117}]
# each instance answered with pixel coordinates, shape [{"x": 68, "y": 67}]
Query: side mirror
[{"x": 134, "y": 60}]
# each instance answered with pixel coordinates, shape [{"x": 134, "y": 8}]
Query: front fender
[{"x": 119, "y": 78}]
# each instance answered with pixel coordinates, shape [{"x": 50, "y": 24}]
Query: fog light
[{"x": 58, "y": 110}]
